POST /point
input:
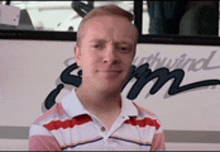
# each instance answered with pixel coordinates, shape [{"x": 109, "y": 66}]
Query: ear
[{"x": 77, "y": 53}]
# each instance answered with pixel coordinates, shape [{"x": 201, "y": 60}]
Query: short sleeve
[{"x": 40, "y": 139}]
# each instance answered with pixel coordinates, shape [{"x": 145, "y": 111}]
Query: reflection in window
[
  {"x": 57, "y": 15},
  {"x": 191, "y": 18},
  {"x": 82, "y": 8}
]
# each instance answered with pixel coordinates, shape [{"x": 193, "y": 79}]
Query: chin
[{"x": 110, "y": 87}]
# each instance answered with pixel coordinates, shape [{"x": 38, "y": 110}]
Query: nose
[{"x": 111, "y": 56}]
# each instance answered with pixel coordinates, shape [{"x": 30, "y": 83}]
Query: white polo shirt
[{"x": 69, "y": 126}]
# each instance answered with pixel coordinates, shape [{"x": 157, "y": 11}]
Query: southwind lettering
[{"x": 182, "y": 62}]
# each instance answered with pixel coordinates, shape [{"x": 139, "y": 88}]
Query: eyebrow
[
  {"x": 124, "y": 42},
  {"x": 98, "y": 40},
  {"x": 103, "y": 41}
]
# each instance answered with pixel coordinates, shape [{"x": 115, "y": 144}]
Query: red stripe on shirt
[
  {"x": 54, "y": 125},
  {"x": 143, "y": 122}
]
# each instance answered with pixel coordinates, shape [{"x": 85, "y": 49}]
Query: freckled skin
[{"x": 106, "y": 52}]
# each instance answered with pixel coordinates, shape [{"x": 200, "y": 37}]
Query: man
[{"x": 95, "y": 116}]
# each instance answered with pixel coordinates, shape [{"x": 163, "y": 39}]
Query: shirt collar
[
  {"x": 128, "y": 108},
  {"x": 74, "y": 107}
]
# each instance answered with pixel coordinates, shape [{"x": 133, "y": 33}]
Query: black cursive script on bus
[{"x": 143, "y": 74}]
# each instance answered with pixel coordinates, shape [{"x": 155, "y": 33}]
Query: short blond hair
[{"x": 110, "y": 10}]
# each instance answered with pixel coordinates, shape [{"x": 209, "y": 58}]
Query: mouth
[
  {"x": 117, "y": 71},
  {"x": 110, "y": 71}
]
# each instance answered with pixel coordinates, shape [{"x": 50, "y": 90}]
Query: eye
[
  {"x": 124, "y": 49},
  {"x": 97, "y": 46}
]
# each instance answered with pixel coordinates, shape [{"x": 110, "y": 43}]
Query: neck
[
  {"x": 106, "y": 105},
  {"x": 99, "y": 101}
]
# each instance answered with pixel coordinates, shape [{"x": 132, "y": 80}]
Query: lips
[{"x": 110, "y": 71}]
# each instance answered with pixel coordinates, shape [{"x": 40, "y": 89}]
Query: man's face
[{"x": 106, "y": 52}]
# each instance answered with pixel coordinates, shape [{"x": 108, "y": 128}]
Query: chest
[{"x": 92, "y": 136}]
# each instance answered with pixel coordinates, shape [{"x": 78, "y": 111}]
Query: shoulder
[
  {"x": 148, "y": 118},
  {"x": 55, "y": 113},
  {"x": 40, "y": 137},
  {"x": 144, "y": 112}
]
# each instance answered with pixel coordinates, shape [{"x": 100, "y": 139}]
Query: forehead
[{"x": 110, "y": 27}]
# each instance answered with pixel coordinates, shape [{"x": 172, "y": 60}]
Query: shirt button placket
[{"x": 103, "y": 129}]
